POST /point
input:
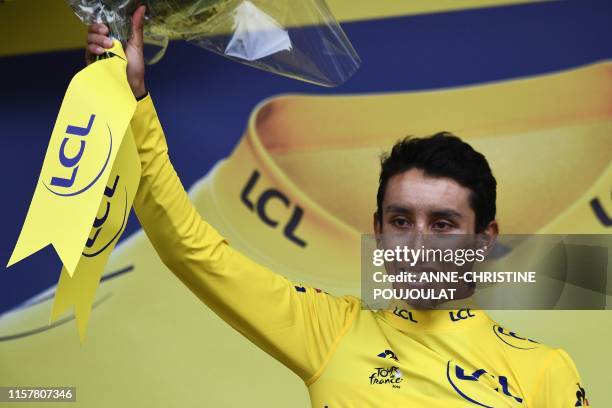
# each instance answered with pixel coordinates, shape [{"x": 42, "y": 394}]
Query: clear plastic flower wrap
[{"x": 296, "y": 38}]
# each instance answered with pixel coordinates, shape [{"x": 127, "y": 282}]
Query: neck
[{"x": 462, "y": 295}]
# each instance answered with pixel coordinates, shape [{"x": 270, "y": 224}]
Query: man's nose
[{"x": 414, "y": 239}]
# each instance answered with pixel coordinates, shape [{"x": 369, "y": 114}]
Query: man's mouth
[{"x": 416, "y": 274}]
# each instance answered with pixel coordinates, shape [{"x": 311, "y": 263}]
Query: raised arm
[{"x": 296, "y": 324}]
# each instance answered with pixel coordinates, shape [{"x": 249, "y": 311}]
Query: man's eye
[
  {"x": 442, "y": 226},
  {"x": 400, "y": 222}
]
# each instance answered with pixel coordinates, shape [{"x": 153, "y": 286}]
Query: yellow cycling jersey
[{"x": 346, "y": 355}]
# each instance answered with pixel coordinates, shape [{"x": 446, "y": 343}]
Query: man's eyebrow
[
  {"x": 395, "y": 208},
  {"x": 447, "y": 212},
  {"x": 443, "y": 212}
]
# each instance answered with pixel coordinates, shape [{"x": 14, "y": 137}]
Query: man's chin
[
  {"x": 429, "y": 288},
  {"x": 421, "y": 304}
]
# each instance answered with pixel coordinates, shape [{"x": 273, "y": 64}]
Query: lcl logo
[
  {"x": 100, "y": 222},
  {"x": 260, "y": 205},
  {"x": 404, "y": 314},
  {"x": 66, "y": 176},
  {"x": 461, "y": 314},
  {"x": 513, "y": 340},
  {"x": 460, "y": 381}
]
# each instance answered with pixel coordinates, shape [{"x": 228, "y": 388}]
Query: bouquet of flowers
[{"x": 296, "y": 38}]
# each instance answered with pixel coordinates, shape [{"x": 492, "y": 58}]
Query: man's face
[
  {"x": 417, "y": 203},
  {"x": 420, "y": 211}
]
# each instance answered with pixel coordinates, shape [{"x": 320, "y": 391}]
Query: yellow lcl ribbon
[{"x": 87, "y": 183}]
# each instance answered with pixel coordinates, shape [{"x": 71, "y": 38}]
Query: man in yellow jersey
[{"x": 349, "y": 357}]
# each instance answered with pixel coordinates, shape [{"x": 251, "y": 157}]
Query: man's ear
[
  {"x": 377, "y": 227},
  {"x": 488, "y": 237}
]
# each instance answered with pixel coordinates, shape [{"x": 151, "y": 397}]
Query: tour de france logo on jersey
[
  {"x": 111, "y": 218},
  {"x": 78, "y": 163},
  {"x": 468, "y": 384},
  {"x": 391, "y": 375}
]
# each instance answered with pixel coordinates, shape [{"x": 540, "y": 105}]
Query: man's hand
[{"x": 98, "y": 41}]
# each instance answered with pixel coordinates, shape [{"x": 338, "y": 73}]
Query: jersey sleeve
[
  {"x": 560, "y": 386},
  {"x": 296, "y": 324}
]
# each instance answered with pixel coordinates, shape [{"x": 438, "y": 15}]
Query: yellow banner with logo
[{"x": 87, "y": 183}]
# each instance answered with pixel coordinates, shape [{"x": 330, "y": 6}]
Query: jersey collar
[{"x": 405, "y": 318}]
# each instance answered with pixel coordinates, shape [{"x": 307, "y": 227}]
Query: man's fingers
[
  {"x": 137, "y": 24},
  {"x": 95, "y": 49},
  {"x": 98, "y": 28},
  {"x": 99, "y": 40}
]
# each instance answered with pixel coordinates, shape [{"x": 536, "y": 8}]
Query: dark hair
[{"x": 443, "y": 155}]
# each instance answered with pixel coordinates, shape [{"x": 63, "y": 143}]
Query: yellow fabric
[
  {"x": 79, "y": 290},
  {"x": 217, "y": 274},
  {"x": 80, "y": 156},
  {"x": 89, "y": 176},
  {"x": 344, "y": 354}
]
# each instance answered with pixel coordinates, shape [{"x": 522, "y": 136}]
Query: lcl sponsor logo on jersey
[
  {"x": 69, "y": 177},
  {"x": 468, "y": 385},
  {"x": 387, "y": 375},
  {"x": 461, "y": 314},
  {"x": 513, "y": 340},
  {"x": 404, "y": 314}
]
